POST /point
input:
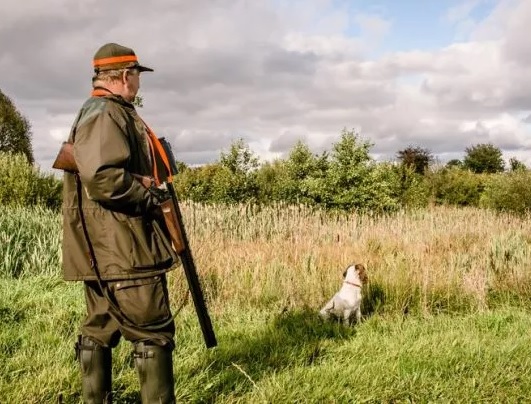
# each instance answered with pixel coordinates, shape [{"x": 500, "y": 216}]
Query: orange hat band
[{"x": 115, "y": 59}]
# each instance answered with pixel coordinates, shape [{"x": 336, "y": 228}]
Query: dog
[{"x": 347, "y": 301}]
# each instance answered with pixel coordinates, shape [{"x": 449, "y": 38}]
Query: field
[{"x": 446, "y": 312}]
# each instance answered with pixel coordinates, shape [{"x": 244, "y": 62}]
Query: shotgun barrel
[{"x": 188, "y": 261}]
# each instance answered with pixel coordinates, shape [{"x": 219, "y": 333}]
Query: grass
[{"x": 447, "y": 309}]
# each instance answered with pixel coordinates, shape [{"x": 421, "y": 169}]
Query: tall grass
[
  {"x": 265, "y": 272},
  {"x": 442, "y": 259},
  {"x": 30, "y": 241}
]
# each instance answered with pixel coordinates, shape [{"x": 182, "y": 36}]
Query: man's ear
[{"x": 125, "y": 74}]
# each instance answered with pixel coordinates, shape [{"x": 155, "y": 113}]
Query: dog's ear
[
  {"x": 346, "y": 271},
  {"x": 362, "y": 272}
]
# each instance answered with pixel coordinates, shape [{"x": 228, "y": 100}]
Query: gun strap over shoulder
[{"x": 158, "y": 155}]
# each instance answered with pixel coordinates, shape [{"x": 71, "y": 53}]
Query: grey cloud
[
  {"x": 202, "y": 141},
  {"x": 223, "y": 71},
  {"x": 197, "y": 158},
  {"x": 286, "y": 140},
  {"x": 280, "y": 61}
]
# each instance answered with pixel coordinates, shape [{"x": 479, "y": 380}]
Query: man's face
[{"x": 131, "y": 84}]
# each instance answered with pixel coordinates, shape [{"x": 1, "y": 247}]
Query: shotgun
[
  {"x": 174, "y": 222},
  {"x": 172, "y": 207}
]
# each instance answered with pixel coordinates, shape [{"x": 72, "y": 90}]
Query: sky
[{"x": 443, "y": 75}]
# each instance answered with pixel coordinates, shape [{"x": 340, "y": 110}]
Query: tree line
[
  {"x": 348, "y": 178},
  {"x": 344, "y": 178}
]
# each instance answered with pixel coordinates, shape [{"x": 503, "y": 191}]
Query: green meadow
[{"x": 446, "y": 310}]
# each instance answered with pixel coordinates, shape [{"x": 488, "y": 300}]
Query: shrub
[
  {"x": 413, "y": 189},
  {"x": 22, "y": 184},
  {"x": 455, "y": 186},
  {"x": 509, "y": 192}
]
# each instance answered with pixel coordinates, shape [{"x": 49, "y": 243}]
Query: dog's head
[{"x": 355, "y": 272}]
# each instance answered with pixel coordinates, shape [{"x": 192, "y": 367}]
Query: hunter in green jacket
[
  {"x": 109, "y": 145},
  {"x": 116, "y": 243}
]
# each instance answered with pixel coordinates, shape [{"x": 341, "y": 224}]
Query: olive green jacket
[{"x": 129, "y": 239}]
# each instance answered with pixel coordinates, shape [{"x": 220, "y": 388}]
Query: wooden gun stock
[
  {"x": 65, "y": 161},
  {"x": 65, "y": 158},
  {"x": 173, "y": 225}
]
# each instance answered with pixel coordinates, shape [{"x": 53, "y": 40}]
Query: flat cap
[{"x": 112, "y": 56}]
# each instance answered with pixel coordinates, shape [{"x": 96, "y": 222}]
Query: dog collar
[{"x": 353, "y": 284}]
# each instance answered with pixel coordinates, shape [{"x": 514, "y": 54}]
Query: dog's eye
[{"x": 344, "y": 274}]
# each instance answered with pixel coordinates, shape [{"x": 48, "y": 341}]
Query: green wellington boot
[
  {"x": 155, "y": 372},
  {"x": 96, "y": 371}
]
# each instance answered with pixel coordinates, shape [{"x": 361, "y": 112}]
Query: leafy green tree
[
  {"x": 508, "y": 192},
  {"x": 455, "y": 186},
  {"x": 416, "y": 158},
  {"x": 484, "y": 158},
  {"x": 23, "y": 184},
  {"x": 271, "y": 180},
  {"x": 240, "y": 177},
  {"x": 240, "y": 159},
  {"x": 301, "y": 161},
  {"x": 196, "y": 183},
  {"x": 347, "y": 184},
  {"x": 138, "y": 101},
  {"x": 516, "y": 165},
  {"x": 15, "y": 130},
  {"x": 454, "y": 163},
  {"x": 305, "y": 172}
]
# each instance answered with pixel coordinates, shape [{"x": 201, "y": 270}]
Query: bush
[
  {"x": 455, "y": 186},
  {"x": 21, "y": 184},
  {"x": 413, "y": 189},
  {"x": 509, "y": 192}
]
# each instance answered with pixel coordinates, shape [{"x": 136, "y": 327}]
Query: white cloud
[
  {"x": 373, "y": 27},
  {"x": 273, "y": 73}
]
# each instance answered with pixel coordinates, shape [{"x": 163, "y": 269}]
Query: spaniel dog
[{"x": 347, "y": 300}]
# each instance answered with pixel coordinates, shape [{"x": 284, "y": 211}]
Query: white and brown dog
[{"x": 347, "y": 301}]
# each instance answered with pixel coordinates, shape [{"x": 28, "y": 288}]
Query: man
[{"x": 114, "y": 240}]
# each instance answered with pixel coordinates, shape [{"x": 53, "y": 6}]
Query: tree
[
  {"x": 305, "y": 173},
  {"x": 301, "y": 161},
  {"x": 415, "y": 158},
  {"x": 516, "y": 165},
  {"x": 349, "y": 173},
  {"x": 484, "y": 158},
  {"x": 240, "y": 159},
  {"x": 138, "y": 101},
  {"x": 15, "y": 133},
  {"x": 237, "y": 180},
  {"x": 454, "y": 163}
]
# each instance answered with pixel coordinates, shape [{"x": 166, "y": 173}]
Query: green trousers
[{"x": 144, "y": 312}]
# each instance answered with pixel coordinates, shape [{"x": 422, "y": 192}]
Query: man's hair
[{"x": 108, "y": 75}]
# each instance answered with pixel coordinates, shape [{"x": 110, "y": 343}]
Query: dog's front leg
[
  {"x": 325, "y": 311},
  {"x": 346, "y": 317},
  {"x": 358, "y": 315}
]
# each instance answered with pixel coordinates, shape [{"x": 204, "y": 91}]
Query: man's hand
[{"x": 160, "y": 193}]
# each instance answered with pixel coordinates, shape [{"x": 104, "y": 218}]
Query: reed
[
  {"x": 439, "y": 259},
  {"x": 265, "y": 271}
]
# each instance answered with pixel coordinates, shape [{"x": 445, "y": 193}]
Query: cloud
[
  {"x": 373, "y": 27},
  {"x": 273, "y": 73}
]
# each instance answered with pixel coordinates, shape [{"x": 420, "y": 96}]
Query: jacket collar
[{"x": 104, "y": 92}]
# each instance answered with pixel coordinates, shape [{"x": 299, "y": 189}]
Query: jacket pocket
[
  {"x": 149, "y": 247},
  {"x": 143, "y": 301},
  {"x": 132, "y": 243}
]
